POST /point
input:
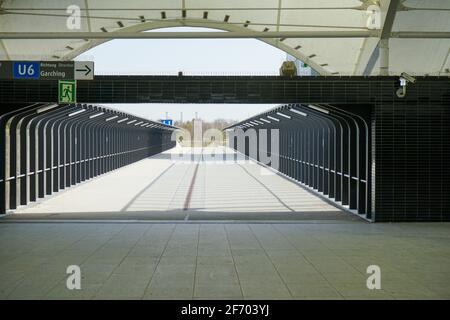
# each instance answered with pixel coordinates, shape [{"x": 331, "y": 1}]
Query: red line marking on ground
[{"x": 187, "y": 202}]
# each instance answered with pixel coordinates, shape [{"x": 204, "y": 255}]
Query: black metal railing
[
  {"x": 323, "y": 147},
  {"x": 50, "y": 147}
]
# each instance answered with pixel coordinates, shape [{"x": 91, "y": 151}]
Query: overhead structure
[
  {"x": 51, "y": 147},
  {"x": 347, "y": 37}
]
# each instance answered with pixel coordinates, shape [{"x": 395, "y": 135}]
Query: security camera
[
  {"x": 408, "y": 77},
  {"x": 404, "y": 80}
]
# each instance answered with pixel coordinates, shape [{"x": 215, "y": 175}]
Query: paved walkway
[
  {"x": 169, "y": 187},
  {"x": 224, "y": 261}
]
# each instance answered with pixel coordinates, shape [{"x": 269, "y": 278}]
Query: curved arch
[{"x": 213, "y": 24}]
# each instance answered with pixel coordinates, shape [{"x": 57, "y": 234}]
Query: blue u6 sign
[{"x": 26, "y": 70}]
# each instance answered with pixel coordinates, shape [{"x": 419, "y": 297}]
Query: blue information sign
[
  {"x": 167, "y": 121},
  {"x": 26, "y": 70}
]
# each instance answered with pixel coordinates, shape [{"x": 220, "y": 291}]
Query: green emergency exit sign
[{"x": 67, "y": 91}]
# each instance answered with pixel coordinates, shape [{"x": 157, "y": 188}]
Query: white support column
[{"x": 383, "y": 48}]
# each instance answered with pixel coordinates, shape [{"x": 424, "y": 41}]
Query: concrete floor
[
  {"x": 312, "y": 251},
  {"x": 224, "y": 261}
]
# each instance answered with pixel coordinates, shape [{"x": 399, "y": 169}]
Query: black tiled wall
[{"x": 411, "y": 157}]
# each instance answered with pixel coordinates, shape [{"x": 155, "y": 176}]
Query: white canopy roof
[{"x": 335, "y": 54}]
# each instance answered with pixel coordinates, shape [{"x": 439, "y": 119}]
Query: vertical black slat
[
  {"x": 292, "y": 161},
  {"x": 78, "y": 152},
  {"x": 303, "y": 154},
  {"x": 314, "y": 157},
  {"x": 310, "y": 149},
  {"x": 116, "y": 136},
  {"x": 84, "y": 152},
  {"x": 352, "y": 145},
  {"x": 73, "y": 153},
  {"x": 353, "y": 163},
  {"x": 20, "y": 143},
  {"x": 269, "y": 145},
  {"x": 296, "y": 154},
  {"x": 9, "y": 111},
  {"x": 42, "y": 158},
  {"x": 320, "y": 153},
  {"x": 285, "y": 148},
  {"x": 33, "y": 136},
  {"x": 345, "y": 164},
  {"x": 100, "y": 147},
  {"x": 27, "y": 153},
  {"x": 12, "y": 183},
  {"x": 300, "y": 154},
  {"x": 288, "y": 149},
  {"x": 339, "y": 162},
  {"x": 126, "y": 142},
  {"x": 291, "y": 153},
  {"x": 332, "y": 162},
  {"x": 54, "y": 148},
  {"x": 62, "y": 145},
  {"x": 107, "y": 147},
  {"x": 22, "y": 180},
  {"x": 326, "y": 161},
  {"x": 103, "y": 148},
  {"x": 91, "y": 146},
  {"x": 282, "y": 148},
  {"x": 96, "y": 143},
  {"x": 2, "y": 165},
  {"x": 67, "y": 153},
  {"x": 36, "y": 148}
]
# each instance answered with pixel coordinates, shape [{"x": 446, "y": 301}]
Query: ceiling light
[
  {"x": 318, "y": 109},
  {"x": 96, "y": 115},
  {"x": 122, "y": 120},
  {"x": 46, "y": 108},
  {"x": 111, "y": 118},
  {"x": 298, "y": 112},
  {"x": 273, "y": 118},
  {"x": 76, "y": 112},
  {"x": 283, "y": 115}
]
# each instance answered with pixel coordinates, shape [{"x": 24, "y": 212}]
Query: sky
[{"x": 193, "y": 57}]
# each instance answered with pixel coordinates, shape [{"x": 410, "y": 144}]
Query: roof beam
[
  {"x": 187, "y": 35},
  {"x": 383, "y": 44},
  {"x": 221, "y": 35},
  {"x": 370, "y": 54},
  {"x": 88, "y": 18},
  {"x": 389, "y": 19}
]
